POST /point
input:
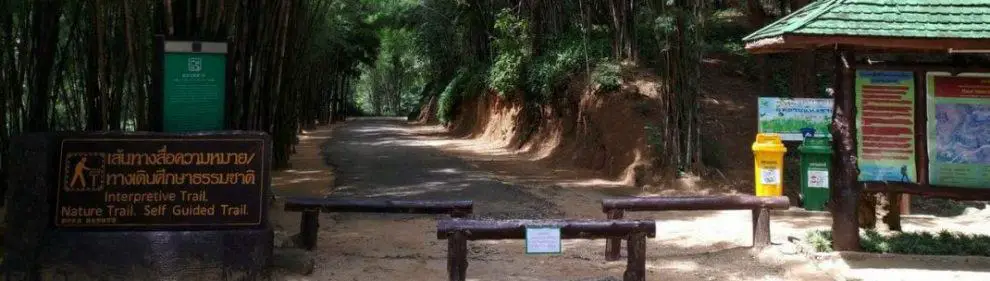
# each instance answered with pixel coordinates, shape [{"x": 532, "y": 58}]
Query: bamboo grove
[{"x": 87, "y": 65}]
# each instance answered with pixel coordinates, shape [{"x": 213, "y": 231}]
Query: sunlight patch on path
[{"x": 308, "y": 174}]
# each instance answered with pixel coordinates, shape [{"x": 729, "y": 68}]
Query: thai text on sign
[{"x": 161, "y": 182}]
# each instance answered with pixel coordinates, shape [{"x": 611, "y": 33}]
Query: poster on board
[
  {"x": 885, "y": 122},
  {"x": 959, "y": 129},
  {"x": 793, "y": 118}
]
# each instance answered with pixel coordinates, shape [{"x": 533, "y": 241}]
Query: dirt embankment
[{"x": 606, "y": 131}]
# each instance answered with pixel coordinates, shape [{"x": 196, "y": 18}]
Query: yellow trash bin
[{"x": 768, "y": 155}]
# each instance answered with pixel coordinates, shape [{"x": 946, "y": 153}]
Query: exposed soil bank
[
  {"x": 605, "y": 132},
  {"x": 598, "y": 131}
]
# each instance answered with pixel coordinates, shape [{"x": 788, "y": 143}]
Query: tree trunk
[
  {"x": 622, "y": 28},
  {"x": 137, "y": 75},
  {"x": 45, "y": 31},
  {"x": 755, "y": 14}
]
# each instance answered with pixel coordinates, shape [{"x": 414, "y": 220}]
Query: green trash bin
[{"x": 816, "y": 164}]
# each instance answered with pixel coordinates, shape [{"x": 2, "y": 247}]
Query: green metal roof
[{"x": 891, "y": 19}]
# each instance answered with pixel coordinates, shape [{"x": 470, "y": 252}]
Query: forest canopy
[{"x": 87, "y": 65}]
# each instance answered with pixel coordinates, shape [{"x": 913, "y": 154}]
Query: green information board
[{"x": 194, "y": 91}]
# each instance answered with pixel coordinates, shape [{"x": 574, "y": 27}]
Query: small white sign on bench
[{"x": 543, "y": 240}]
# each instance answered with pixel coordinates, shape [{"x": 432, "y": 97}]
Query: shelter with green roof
[
  {"x": 962, "y": 25},
  {"x": 900, "y": 124}
]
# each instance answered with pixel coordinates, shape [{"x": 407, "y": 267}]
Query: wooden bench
[
  {"x": 311, "y": 207},
  {"x": 616, "y": 207},
  {"x": 458, "y": 231}
]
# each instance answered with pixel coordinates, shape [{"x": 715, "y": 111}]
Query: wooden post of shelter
[{"x": 844, "y": 190}]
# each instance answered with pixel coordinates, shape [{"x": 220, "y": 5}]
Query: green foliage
[
  {"x": 436, "y": 35},
  {"x": 468, "y": 81},
  {"x": 606, "y": 75},
  {"x": 912, "y": 243},
  {"x": 724, "y": 35},
  {"x": 820, "y": 240},
  {"x": 655, "y": 138},
  {"x": 513, "y": 44},
  {"x": 449, "y": 99},
  {"x": 566, "y": 55},
  {"x": 392, "y": 83},
  {"x": 650, "y": 25},
  {"x": 654, "y": 28}
]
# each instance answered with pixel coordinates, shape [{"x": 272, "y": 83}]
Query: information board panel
[
  {"x": 885, "y": 121},
  {"x": 959, "y": 129},
  {"x": 194, "y": 94},
  {"x": 161, "y": 182},
  {"x": 793, "y": 118}
]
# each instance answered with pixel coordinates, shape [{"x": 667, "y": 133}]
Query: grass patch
[{"x": 911, "y": 243}]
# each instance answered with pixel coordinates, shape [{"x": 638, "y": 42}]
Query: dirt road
[
  {"x": 387, "y": 158},
  {"x": 384, "y": 159}
]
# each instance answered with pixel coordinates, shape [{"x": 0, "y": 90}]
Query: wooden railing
[
  {"x": 458, "y": 231},
  {"x": 615, "y": 209},
  {"x": 310, "y": 208}
]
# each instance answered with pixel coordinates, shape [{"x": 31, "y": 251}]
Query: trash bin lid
[
  {"x": 769, "y": 143},
  {"x": 816, "y": 145}
]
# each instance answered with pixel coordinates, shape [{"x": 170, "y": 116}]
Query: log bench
[
  {"x": 615, "y": 208},
  {"x": 458, "y": 231},
  {"x": 311, "y": 207}
]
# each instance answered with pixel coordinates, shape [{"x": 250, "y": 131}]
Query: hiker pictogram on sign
[{"x": 83, "y": 172}]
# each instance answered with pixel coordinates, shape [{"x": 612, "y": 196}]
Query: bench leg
[
  {"x": 636, "y": 265},
  {"x": 613, "y": 245},
  {"x": 309, "y": 227},
  {"x": 457, "y": 257},
  {"x": 761, "y": 227}
]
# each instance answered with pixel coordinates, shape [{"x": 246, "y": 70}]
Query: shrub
[
  {"x": 913, "y": 243},
  {"x": 449, "y": 98},
  {"x": 820, "y": 240},
  {"x": 606, "y": 75},
  {"x": 564, "y": 56},
  {"x": 466, "y": 83}
]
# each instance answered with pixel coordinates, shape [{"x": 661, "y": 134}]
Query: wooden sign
[{"x": 137, "y": 181}]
